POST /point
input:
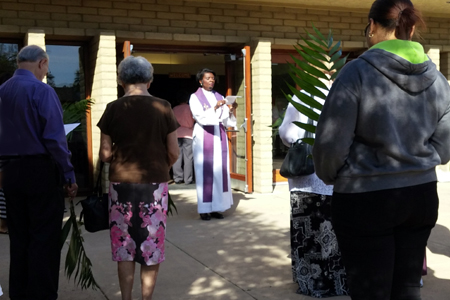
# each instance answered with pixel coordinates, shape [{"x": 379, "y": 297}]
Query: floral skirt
[
  {"x": 138, "y": 214},
  {"x": 316, "y": 260}
]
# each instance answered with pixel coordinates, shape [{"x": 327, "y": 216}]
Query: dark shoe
[
  {"x": 179, "y": 182},
  {"x": 216, "y": 215},
  {"x": 205, "y": 217}
]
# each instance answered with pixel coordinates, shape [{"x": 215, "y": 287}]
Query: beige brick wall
[
  {"x": 262, "y": 111},
  {"x": 189, "y": 21}
]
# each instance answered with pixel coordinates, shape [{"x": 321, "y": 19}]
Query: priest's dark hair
[{"x": 202, "y": 73}]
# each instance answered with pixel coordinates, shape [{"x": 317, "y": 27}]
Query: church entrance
[{"x": 175, "y": 69}]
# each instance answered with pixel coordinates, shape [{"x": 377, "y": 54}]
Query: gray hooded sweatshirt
[{"x": 386, "y": 121}]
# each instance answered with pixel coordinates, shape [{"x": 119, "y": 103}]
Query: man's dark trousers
[
  {"x": 35, "y": 200},
  {"x": 183, "y": 169}
]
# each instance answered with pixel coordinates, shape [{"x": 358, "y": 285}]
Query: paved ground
[{"x": 242, "y": 257}]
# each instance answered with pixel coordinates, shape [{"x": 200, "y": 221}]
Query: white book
[
  {"x": 231, "y": 99},
  {"x": 70, "y": 127}
]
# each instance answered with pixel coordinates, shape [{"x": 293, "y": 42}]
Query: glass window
[
  {"x": 66, "y": 76},
  {"x": 65, "y": 72}
]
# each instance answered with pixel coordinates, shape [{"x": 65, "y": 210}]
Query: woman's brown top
[{"x": 138, "y": 127}]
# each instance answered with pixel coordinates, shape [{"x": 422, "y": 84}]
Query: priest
[{"x": 210, "y": 147}]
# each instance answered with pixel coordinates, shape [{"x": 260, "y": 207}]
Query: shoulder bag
[
  {"x": 298, "y": 160},
  {"x": 96, "y": 208}
]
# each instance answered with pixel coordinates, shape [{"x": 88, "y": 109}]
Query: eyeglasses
[{"x": 365, "y": 29}]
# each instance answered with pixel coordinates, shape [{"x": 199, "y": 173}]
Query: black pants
[
  {"x": 382, "y": 236},
  {"x": 183, "y": 169},
  {"x": 35, "y": 201}
]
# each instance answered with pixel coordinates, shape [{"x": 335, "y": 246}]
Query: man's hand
[{"x": 71, "y": 190}]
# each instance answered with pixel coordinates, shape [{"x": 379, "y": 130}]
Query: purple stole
[{"x": 208, "y": 150}]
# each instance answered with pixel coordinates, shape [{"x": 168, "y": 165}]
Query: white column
[
  {"x": 262, "y": 116},
  {"x": 434, "y": 53},
  {"x": 104, "y": 88},
  {"x": 35, "y": 37}
]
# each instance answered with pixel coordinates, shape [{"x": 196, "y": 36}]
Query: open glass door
[{"x": 238, "y": 77}]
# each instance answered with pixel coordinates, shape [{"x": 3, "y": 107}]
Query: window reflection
[
  {"x": 66, "y": 76},
  {"x": 280, "y": 76},
  {"x": 8, "y": 53},
  {"x": 65, "y": 72}
]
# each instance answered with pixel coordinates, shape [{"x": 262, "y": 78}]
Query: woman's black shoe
[
  {"x": 205, "y": 217},
  {"x": 216, "y": 215}
]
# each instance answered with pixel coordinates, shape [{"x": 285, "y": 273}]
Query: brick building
[{"x": 247, "y": 42}]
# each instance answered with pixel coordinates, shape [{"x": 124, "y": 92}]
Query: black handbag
[
  {"x": 298, "y": 160},
  {"x": 96, "y": 208}
]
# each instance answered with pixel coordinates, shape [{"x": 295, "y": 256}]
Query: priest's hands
[
  {"x": 233, "y": 107},
  {"x": 219, "y": 104}
]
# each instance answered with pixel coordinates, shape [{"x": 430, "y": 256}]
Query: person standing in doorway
[
  {"x": 183, "y": 169},
  {"x": 210, "y": 144},
  {"x": 35, "y": 165}
]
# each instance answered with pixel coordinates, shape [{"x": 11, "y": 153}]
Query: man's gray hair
[
  {"x": 133, "y": 70},
  {"x": 31, "y": 53}
]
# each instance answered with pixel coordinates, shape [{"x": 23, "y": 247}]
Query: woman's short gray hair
[
  {"x": 31, "y": 53},
  {"x": 133, "y": 70}
]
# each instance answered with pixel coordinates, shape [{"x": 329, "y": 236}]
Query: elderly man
[{"x": 35, "y": 166}]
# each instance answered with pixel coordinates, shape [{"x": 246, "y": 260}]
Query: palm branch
[
  {"x": 76, "y": 258},
  {"x": 319, "y": 57}
]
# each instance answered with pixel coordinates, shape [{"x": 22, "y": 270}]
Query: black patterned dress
[{"x": 316, "y": 259}]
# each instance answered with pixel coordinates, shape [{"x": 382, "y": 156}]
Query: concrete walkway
[{"x": 244, "y": 256}]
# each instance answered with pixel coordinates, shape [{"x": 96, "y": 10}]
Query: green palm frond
[
  {"x": 77, "y": 263},
  {"x": 74, "y": 112},
  {"x": 319, "y": 56},
  {"x": 76, "y": 258},
  {"x": 171, "y": 206}
]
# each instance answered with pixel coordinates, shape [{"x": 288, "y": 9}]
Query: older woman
[
  {"x": 210, "y": 146},
  {"x": 139, "y": 140},
  {"x": 384, "y": 128}
]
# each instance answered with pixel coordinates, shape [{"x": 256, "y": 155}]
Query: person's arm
[
  {"x": 335, "y": 132},
  {"x": 172, "y": 148},
  {"x": 203, "y": 117},
  {"x": 105, "y": 148},
  {"x": 54, "y": 137},
  {"x": 441, "y": 136},
  {"x": 289, "y": 132}
]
